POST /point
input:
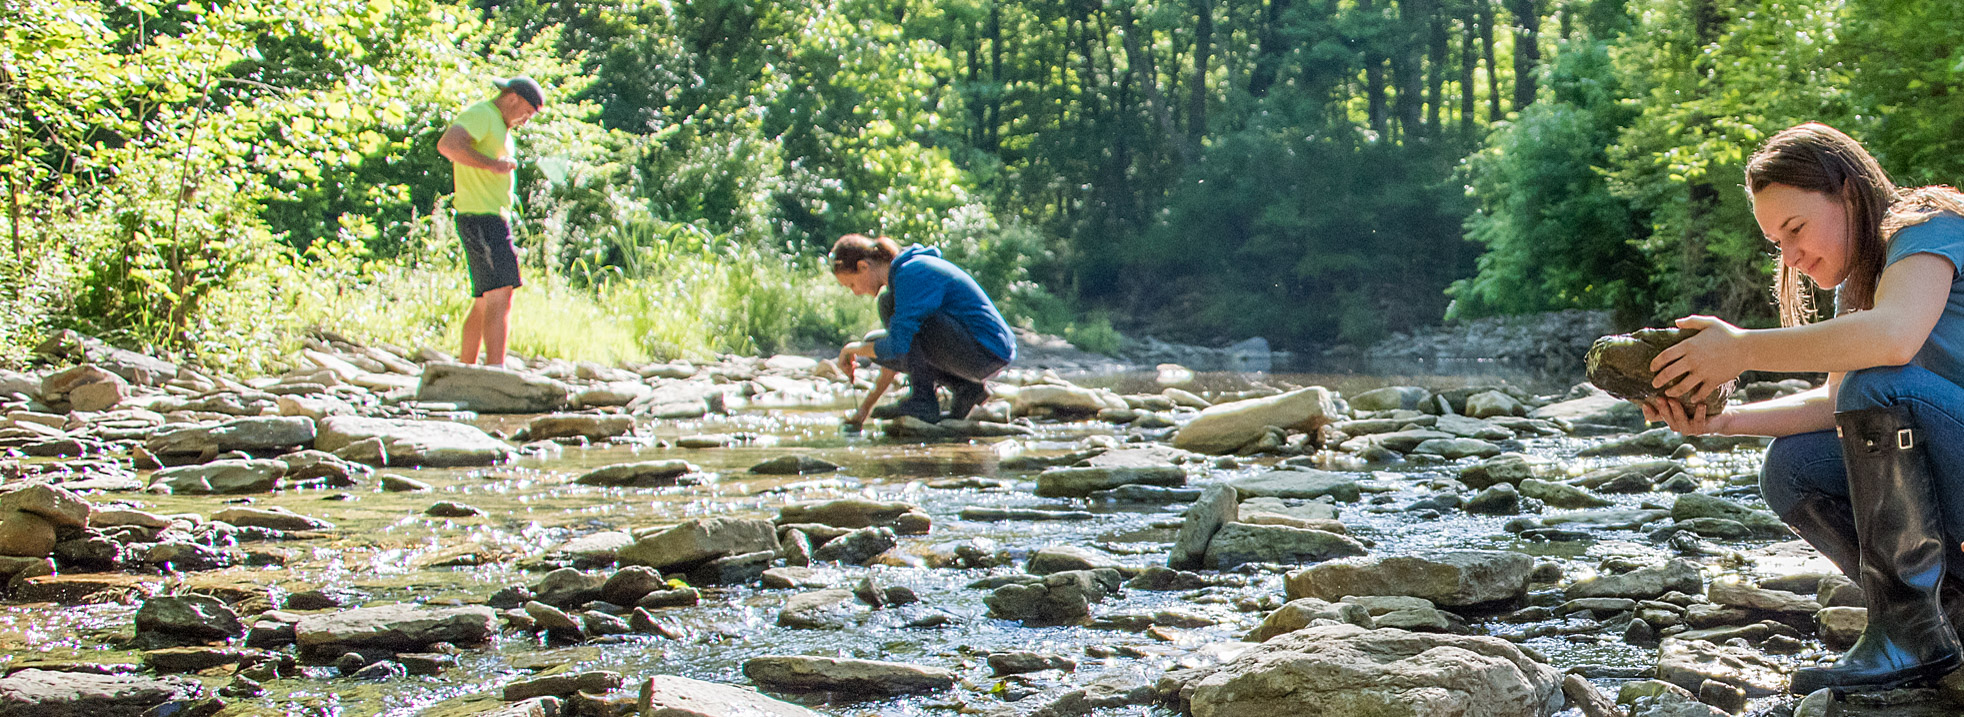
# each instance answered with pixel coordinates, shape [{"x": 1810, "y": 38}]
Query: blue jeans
[{"x": 1810, "y": 463}]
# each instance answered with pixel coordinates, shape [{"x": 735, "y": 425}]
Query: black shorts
[{"x": 488, "y": 250}]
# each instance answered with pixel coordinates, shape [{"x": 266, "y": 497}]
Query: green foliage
[{"x": 1555, "y": 237}]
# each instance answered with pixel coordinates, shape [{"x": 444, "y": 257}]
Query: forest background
[{"x": 215, "y": 179}]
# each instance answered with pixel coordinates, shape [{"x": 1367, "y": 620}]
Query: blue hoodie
[{"x": 924, "y": 284}]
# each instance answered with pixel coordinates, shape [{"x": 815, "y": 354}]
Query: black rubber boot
[
  {"x": 968, "y": 395},
  {"x": 1903, "y": 559},
  {"x": 1828, "y": 524},
  {"x": 921, "y": 379}
]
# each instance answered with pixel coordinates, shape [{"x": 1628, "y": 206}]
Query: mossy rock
[{"x": 1620, "y": 366}]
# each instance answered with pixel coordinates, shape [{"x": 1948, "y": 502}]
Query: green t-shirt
[{"x": 482, "y": 191}]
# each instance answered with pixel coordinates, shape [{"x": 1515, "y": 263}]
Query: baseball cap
[{"x": 523, "y": 87}]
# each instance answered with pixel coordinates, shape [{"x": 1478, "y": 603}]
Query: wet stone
[
  {"x": 452, "y": 509},
  {"x": 863, "y": 677},
  {"x": 798, "y": 464},
  {"x": 1620, "y": 365}
]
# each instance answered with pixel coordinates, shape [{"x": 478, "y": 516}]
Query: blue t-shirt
[
  {"x": 1942, "y": 235},
  {"x": 924, "y": 284}
]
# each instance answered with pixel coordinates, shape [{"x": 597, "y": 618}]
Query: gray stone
[
  {"x": 1216, "y": 507},
  {"x": 1645, "y": 583},
  {"x": 1082, "y": 482},
  {"x": 699, "y": 541},
  {"x": 1456, "y": 448},
  {"x": 262, "y": 433},
  {"x": 1450, "y": 578},
  {"x": 855, "y": 513},
  {"x": 1297, "y": 483},
  {"x": 488, "y": 389},
  {"x": 643, "y": 474},
  {"x": 857, "y": 547},
  {"x": 671, "y": 696},
  {"x": 274, "y": 517},
  {"x": 62, "y": 508},
  {"x": 833, "y": 674},
  {"x": 798, "y": 464},
  {"x": 1058, "y": 599},
  {"x": 1060, "y": 558},
  {"x": 44, "y": 693},
  {"x": 223, "y": 477},
  {"x": 1348, "y": 670},
  {"x": 1761, "y": 523},
  {"x": 1390, "y": 398},
  {"x": 1689, "y": 663},
  {"x": 1302, "y": 612},
  {"x": 1561, "y": 495},
  {"x": 1226, "y": 427},
  {"x": 592, "y": 426},
  {"x": 1240, "y": 543},
  {"x": 415, "y": 443},
  {"x": 403, "y": 628},
  {"x": 834, "y": 609},
  {"x": 186, "y": 620}
]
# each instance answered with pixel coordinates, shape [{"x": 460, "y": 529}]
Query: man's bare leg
[
  {"x": 497, "y": 325},
  {"x": 473, "y": 332}
]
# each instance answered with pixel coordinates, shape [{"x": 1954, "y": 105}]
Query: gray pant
[{"x": 943, "y": 352}]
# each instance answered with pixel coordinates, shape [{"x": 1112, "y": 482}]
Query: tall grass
[{"x": 671, "y": 293}]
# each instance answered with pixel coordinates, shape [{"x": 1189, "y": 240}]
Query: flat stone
[
  {"x": 1447, "y": 578},
  {"x": 642, "y": 474},
  {"x": 42, "y": 693},
  {"x": 415, "y": 443},
  {"x": 1298, "y": 483},
  {"x": 672, "y": 696},
  {"x": 488, "y": 389},
  {"x": 222, "y": 477},
  {"x": 406, "y": 628},
  {"x": 832, "y": 674}
]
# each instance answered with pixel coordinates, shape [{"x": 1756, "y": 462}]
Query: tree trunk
[
  {"x": 1140, "y": 64},
  {"x": 995, "y": 78},
  {"x": 1374, "y": 81},
  {"x": 1269, "y": 51},
  {"x": 1438, "y": 43},
  {"x": 1203, "y": 41},
  {"x": 1527, "y": 49},
  {"x": 1469, "y": 59},
  {"x": 1493, "y": 70}
]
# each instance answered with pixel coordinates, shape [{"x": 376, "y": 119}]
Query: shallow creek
[{"x": 386, "y": 549}]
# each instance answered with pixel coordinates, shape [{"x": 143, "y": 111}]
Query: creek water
[{"x": 387, "y": 550}]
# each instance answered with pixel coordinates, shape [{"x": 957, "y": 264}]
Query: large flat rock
[
  {"x": 43, "y": 693},
  {"x": 1229, "y": 426},
  {"x": 488, "y": 389},
  {"x": 415, "y": 443},
  {"x": 404, "y": 628},
  {"x": 672, "y": 696}
]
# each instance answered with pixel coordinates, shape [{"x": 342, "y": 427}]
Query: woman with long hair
[{"x": 1868, "y": 468}]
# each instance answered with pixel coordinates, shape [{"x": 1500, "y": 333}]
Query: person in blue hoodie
[{"x": 941, "y": 327}]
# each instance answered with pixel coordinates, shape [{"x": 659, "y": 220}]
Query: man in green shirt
[{"x": 479, "y": 147}]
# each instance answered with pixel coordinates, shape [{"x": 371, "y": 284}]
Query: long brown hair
[
  {"x": 1817, "y": 158},
  {"x": 851, "y": 249}
]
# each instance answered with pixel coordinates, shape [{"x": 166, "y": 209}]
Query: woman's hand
[
  {"x": 1692, "y": 422},
  {"x": 1701, "y": 363}
]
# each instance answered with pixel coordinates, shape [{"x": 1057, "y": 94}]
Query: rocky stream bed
[{"x": 380, "y": 531}]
